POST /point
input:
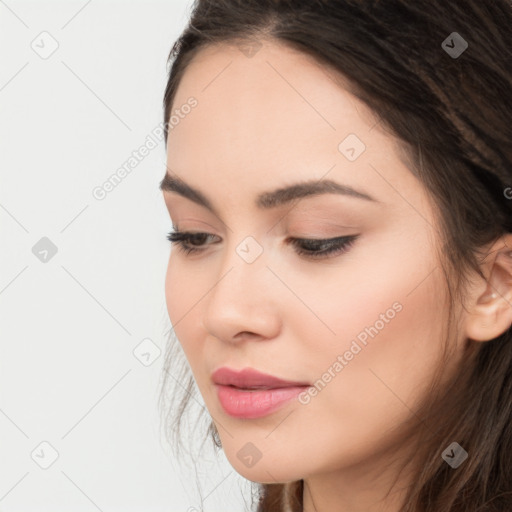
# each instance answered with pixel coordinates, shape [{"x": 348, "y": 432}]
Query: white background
[{"x": 69, "y": 325}]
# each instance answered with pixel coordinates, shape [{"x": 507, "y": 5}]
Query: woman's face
[{"x": 362, "y": 326}]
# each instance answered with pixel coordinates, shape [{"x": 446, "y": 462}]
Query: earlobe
[{"x": 490, "y": 311}]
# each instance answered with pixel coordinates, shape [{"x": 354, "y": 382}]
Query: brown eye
[{"x": 187, "y": 241}]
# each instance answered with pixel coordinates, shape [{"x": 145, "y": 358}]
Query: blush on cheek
[{"x": 404, "y": 355}]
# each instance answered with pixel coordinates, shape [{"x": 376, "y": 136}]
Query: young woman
[{"x": 339, "y": 179}]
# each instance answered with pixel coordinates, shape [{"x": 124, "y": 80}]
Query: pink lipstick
[{"x": 252, "y": 394}]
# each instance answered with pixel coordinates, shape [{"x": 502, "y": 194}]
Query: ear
[{"x": 490, "y": 307}]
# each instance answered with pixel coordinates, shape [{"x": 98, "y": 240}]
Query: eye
[
  {"x": 186, "y": 241},
  {"x": 189, "y": 243},
  {"x": 321, "y": 248}
]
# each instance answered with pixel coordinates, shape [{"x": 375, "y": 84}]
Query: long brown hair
[{"x": 452, "y": 115}]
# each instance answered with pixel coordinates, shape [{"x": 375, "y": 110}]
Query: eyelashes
[
  {"x": 193, "y": 243},
  {"x": 183, "y": 240}
]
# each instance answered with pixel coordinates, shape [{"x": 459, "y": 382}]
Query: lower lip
[{"x": 255, "y": 404}]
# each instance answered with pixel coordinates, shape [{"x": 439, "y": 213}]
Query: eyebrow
[{"x": 269, "y": 199}]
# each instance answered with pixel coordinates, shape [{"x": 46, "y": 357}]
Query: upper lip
[{"x": 250, "y": 378}]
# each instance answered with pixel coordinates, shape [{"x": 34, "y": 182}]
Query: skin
[{"x": 262, "y": 123}]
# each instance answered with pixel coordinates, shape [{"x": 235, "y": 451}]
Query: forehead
[{"x": 275, "y": 117}]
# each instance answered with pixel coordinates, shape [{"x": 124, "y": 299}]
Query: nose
[{"x": 242, "y": 304}]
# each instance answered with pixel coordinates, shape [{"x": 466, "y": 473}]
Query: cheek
[
  {"x": 387, "y": 319},
  {"x": 385, "y": 368},
  {"x": 173, "y": 289},
  {"x": 182, "y": 296},
  {"x": 389, "y": 292}
]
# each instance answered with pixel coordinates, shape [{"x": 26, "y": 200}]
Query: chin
[{"x": 263, "y": 470}]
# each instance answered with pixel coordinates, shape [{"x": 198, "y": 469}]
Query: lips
[
  {"x": 249, "y": 394},
  {"x": 248, "y": 378}
]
